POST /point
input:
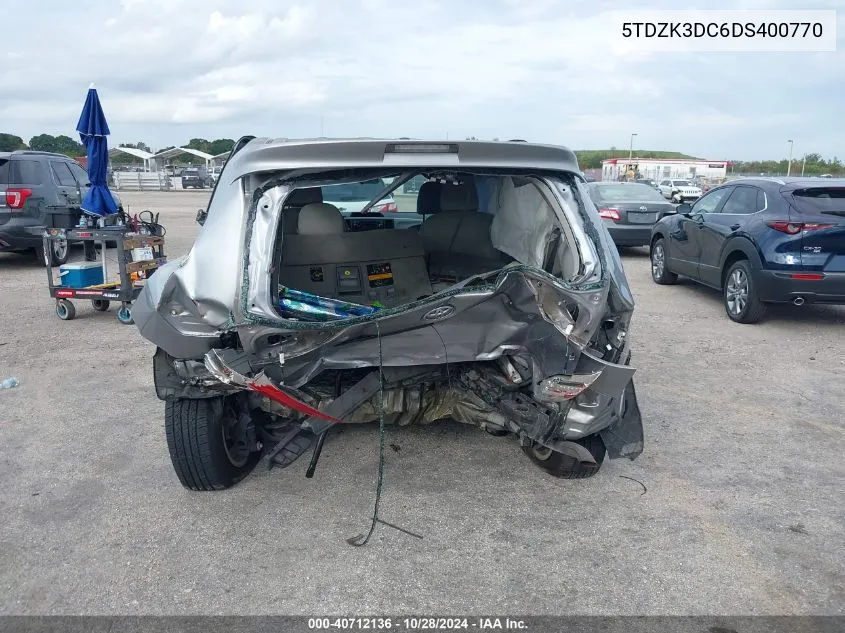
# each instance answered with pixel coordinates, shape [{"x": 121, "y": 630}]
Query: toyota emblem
[{"x": 440, "y": 312}]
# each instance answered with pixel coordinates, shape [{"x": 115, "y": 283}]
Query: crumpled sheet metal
[
  {"x": 506, "y": 321},
  {"x": 210, "y": 290}
]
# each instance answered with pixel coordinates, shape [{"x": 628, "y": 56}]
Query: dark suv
[
  {"x": 759, "y": 241},
  {"x": 39, "y": 189},
  {"x": 195, "y": 177}
]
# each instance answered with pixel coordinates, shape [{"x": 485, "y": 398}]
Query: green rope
[{"x": 360, "y": 540}]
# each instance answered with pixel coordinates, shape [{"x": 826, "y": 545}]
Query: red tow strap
[{"x": 274, "y": 393}]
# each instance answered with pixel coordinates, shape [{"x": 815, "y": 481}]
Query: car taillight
[
  {"x": 16, "y": 197},
  {"x": 609, "y": 214},
  {"x": 565, "y": 387},
  {"x": 794, "y": 228},
  {"x": 388, "y": 207}
]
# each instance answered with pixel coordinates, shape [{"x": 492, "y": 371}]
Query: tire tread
[{"x": 189, "y": 424}]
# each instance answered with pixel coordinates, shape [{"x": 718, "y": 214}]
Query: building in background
[{"x": 659, "y": 168}]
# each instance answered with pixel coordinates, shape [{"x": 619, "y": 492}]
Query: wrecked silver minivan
[{"x": 498, "y": 299}]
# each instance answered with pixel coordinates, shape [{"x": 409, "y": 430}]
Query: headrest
[
  {"x": 320, "y": 218},
  {"x": 462, "y": 197},
  {"x": 428, "y": 197},
  {"x": 301, "y": 197}
]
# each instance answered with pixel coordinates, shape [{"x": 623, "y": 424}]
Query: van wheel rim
[
  {"x": 657, "y": 262},
  {"x": 737, "y": 292},
  {"x": 234, "y": 439}
]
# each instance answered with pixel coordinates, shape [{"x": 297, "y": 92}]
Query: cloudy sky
[{"x": 541, "y": 70}]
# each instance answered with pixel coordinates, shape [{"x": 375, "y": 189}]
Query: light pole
[
  {"x": 803, "y": 163},
  {"x": 631, "y": 148},
  {"x": 789, "y": 163}
]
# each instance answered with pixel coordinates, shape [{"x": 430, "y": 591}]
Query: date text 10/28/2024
[{"x": 417, "y": 624}]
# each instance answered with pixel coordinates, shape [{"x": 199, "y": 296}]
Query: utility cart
[{"x": 137, "y": 257}]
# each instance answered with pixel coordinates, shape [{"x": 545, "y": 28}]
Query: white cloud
[{"x": 168, "y": 70}]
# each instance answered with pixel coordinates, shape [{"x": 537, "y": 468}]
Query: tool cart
[{"x": 138, "y": 255}]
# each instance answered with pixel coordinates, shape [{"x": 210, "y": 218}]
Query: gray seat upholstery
[
  {"x": 320, "y": 218},
  {"x": 456, "y": 238},
  {"x": 428, "y": 197},
  {"x": 297, "y": 199}
]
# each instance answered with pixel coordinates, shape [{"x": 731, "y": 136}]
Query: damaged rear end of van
[{"x": 495, "y": 297}]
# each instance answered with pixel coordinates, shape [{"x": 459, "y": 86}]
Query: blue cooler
[{"x": 81, "y": 274}]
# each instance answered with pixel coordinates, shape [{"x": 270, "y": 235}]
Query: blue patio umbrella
[{"x": 93, "y": 130}]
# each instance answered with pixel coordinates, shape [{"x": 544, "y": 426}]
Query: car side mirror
[
  {"x": 202, "y": 214},
  {"x": 684, "y": 209}
]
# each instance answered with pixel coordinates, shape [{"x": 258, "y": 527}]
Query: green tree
[
  {"x": 199, "y": 144},
  {"x": 58, "y": 144},
  {"x": 10, "y": 142},
  {"x": 220, "y": 145}
]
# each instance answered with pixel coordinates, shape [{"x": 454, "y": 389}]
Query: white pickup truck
[{"x": 679, "y": 190}]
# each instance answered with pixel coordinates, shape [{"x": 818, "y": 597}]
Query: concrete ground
[{"x": 741, "y": 508}]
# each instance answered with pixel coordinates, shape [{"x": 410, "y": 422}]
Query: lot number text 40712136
[{"x": 417, "y": 624}]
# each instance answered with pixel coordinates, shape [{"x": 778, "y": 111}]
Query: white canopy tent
[
  {"x": 161, "y": 159},
  {"x": 137, "y": 153},
  {"x": 221, "y": 158}
]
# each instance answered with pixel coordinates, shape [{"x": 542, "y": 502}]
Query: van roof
[{"x": 265, "y": 154}]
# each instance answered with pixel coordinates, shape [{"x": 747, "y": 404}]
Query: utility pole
[
  {"x": 789, "y": 163},
  {"x": 631, "y": 149},
  {"x": 803, "y": 163}
]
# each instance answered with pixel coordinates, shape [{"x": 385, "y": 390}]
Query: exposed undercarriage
[{"x": 497, "y": 396}]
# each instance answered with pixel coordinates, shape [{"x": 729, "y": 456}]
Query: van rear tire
[{"x": 204, "y": 452}]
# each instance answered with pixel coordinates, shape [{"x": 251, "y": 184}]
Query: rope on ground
[{"x": 360, "y": 540}]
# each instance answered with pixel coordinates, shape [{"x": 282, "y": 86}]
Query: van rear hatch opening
[{"x": 329, "y": 269}]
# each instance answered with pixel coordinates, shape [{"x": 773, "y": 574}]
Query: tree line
[
  {"x": 63, "y": 144},
  {"x": 813, "y": 164}
]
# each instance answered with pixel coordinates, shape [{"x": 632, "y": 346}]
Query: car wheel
[
  {"x": 208, "y": 443},
  {"x": 740, "y": 294},
  {"x": 566, "y": 466},
  {"x": 659, "y": 272},
  {"x": 59, "y": 251}
]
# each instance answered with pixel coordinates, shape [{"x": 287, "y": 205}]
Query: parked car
[
  {"x": 351, "y": 198},
  {"x": 679, "y": 190},
  {"x": 629, "y": 210},
  {"x": 648, "y": 181},
  {"x": 514, "y": 318},
  {"x": 196, "y": 177},
  {"x": 414, "y": 184},
  {"x": 759, "y": 241},
  {"x": 39, "y": 189}
]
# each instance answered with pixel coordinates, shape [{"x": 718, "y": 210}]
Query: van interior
[{"x": 333, "y": 264}]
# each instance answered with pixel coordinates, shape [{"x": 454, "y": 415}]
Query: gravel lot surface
[{"x": 744, "y": 511}]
